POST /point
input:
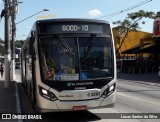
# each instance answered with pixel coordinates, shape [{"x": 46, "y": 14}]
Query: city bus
[{"x": 69, "y": 65}]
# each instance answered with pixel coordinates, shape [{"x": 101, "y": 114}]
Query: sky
[{"x": 75, "y": 9}]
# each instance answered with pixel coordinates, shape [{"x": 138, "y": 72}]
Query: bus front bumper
[{"x": 45, "y": 105}]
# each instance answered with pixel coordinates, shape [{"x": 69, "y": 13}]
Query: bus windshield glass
[{"x": 75, "y": 58}]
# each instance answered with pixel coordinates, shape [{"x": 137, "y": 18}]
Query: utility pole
[
  {"x": 14, "y": 3},
  {"x": 7, "y": 43}
]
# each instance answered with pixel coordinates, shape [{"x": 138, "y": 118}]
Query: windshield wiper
[
  {"x": 65, "y": 44},
  {"x": 90, "y": 45}
]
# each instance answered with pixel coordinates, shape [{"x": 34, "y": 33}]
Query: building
[
  {"x": 143, "y": 47},
  {"x": 132, "y": 40}
]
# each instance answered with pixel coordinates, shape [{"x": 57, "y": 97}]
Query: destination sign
[{"x": 75, "y": 28}]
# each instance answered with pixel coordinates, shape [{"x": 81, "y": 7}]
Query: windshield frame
[{"x": 77, "y": 36}]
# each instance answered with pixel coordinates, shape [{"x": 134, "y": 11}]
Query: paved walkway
[{"x": 8, "y": 100}]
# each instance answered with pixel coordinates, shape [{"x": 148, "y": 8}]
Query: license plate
[{"x": 77, "y": 108}]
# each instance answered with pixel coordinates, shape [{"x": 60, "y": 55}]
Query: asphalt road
[{"x": 131, "y": 98}]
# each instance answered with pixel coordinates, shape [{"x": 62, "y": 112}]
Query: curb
[{"x": 18, "y": 101}]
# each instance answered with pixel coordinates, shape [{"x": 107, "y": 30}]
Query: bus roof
[{"x": 72, "y": 19}]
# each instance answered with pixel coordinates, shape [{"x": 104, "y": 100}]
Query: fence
[{"x": 139, "y": 66}]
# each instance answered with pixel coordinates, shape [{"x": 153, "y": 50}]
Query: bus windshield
[{"x": 75, "y": 58}]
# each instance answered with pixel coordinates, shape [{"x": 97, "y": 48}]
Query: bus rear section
[{"x": 73, "y": 67}]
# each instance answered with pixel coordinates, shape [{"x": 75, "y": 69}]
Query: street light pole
[
  {"x": 7, "y": 44},
  {"x": 13, "y": 39},
  {"x": 31, "y": 16}
]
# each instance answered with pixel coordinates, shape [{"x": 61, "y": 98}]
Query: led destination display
[{"x": 75, "y": 28}]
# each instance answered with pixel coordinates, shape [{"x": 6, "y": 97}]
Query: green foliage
[
  {"x": 1, "y": 47},
  {"x": 19, "y": 43},
  {"x": 141, "y": 14},
  {"x": 133, "y": 19}
]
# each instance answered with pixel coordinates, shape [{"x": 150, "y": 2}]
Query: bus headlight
[
  {"x": 47, "y": 94},
  {"x": 111, "y": 88},
  {"x": 109, "y": 91}
]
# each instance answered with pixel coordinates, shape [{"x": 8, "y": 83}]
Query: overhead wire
[{"x": 124, "y": 10}]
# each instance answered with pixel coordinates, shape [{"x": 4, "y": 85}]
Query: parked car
[{"x": 17, "y": 65}]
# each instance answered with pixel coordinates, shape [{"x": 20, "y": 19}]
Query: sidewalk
[
  {"x": 143, "y": 78},
  {"x": 8, "y": 99}
]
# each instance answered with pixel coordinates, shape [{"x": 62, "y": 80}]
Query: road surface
[{"x": 131, "y": 98}]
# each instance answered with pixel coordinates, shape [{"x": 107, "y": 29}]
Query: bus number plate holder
[{"x": 77, "y": 108}]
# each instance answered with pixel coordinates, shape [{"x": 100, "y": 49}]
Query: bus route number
[{"x": 74, "y": 28}]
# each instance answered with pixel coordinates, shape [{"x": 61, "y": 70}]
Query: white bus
[{"x": 69, "y": 64}]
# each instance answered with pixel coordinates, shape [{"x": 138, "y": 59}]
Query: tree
[
  {"x": 19, "y": 43},
  {"x": 1, "y": 47},
  {"x": 131, "y": 22}
]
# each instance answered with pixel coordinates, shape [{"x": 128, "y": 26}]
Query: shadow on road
[{"x": 72, "y": 116}]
